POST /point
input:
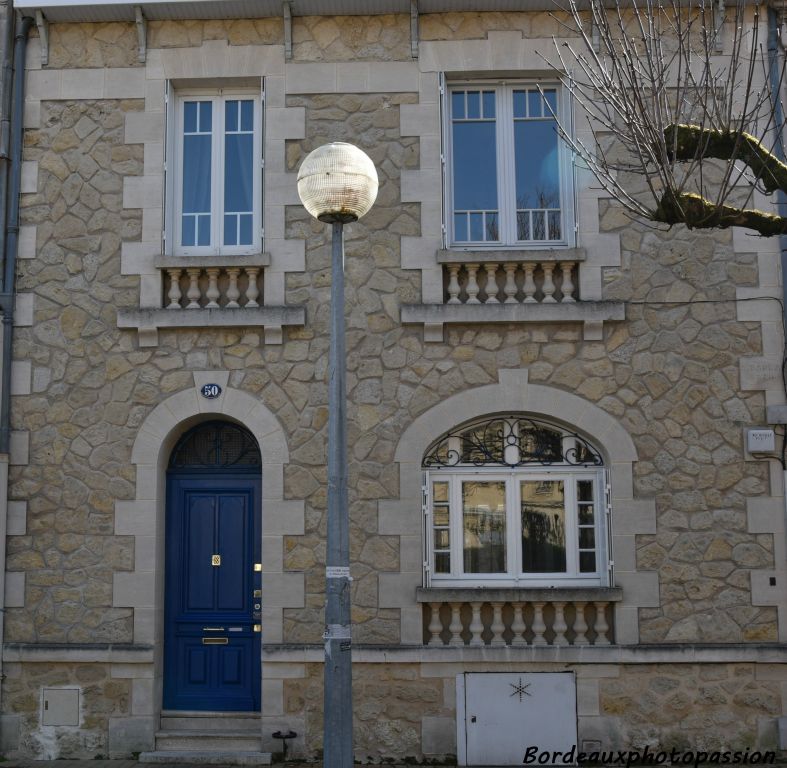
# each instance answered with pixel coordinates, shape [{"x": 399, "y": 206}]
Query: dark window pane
[
  {"x": 460, "y": 226},
  {"x": 205, "y": 116},
  {"x": 238, "y": 173},
  {"x": 483, "y": 445},
  {"x": 473, "y": 105},
  {"x": 539, "y": 443},
  {"x": 458, "y": 105},
  {"x": 586, "y": 514},
  {"x": 484, "y": 527},
  {"x": 587, "y": 562},
  {"x": 440, "y": 516},
  {"x": 537, "y": 166},
  {"x": 475, "y": 167},
  {"x": 534, "y": 104},
  {"x": 246, "y": 229},
  {"x": 523, "y": 225},
  {"x": 539, "y": 231},
  {"x": 190, "y": 116},
  {"x": 492, "y": 227},
  {"x": 550, "y": 96},
  {"x": 188, "y": 227},
  {"x": 520, "y": 107},
  {"x": 585, "y": 490},
  {"x": 231, "y": 116},
  {"x": 543, "y": 526},
  {"x": 203, "y": 230},
  {"x": 489, "y": 104},
  {"x": 247, "y": 115},
  {"x": 442, "y": 562},
  {"x": 441, "y": 539},
  {"x": 587, "y": 538},
  {"x": 196, "y": 174},
  {"x": 554, "y": 225},
  {"x": 231, "y": 230},
  {"x": 476, "y": 226}
]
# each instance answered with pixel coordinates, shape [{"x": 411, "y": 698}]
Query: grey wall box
[{"x": 60, "y": 706}]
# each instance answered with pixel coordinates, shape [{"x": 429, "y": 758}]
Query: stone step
[
  {"x": 208, "y": 741},
  {"x": 206, "y": 758},
  {"x": 199, "y": 721}
]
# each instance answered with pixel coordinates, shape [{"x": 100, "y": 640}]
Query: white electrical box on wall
[
  {"x": 762, "y": 440},
  {"x": 60, "y": 706}
]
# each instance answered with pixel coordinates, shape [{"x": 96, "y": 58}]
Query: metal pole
[{"x": 338, "y": 710}]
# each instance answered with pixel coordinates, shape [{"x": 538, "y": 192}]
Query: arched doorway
[{"x": 213, "y": 578}]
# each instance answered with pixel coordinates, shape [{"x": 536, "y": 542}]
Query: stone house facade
[{"x": 603, "y": 391}]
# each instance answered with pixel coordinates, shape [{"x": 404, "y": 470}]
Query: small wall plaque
[{"x": 210, "y": 391}]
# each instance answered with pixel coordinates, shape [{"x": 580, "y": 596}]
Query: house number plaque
[{"x": 210, "y": 391}]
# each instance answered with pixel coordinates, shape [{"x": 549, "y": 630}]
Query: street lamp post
[{"x": 337, "y": 184}]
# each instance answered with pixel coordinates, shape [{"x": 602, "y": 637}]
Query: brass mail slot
[{"x": 215, "y": 641}]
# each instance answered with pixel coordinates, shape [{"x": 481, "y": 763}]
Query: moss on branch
[
  {"x": 698, "y": 213},
  {"x": 691, "y": 142}
]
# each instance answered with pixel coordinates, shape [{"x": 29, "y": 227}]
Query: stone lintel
[
  {"x": 578, "y": 311},
  {"x": 252, "y": 260},
  {"x": 126, "y": 653},
  {"x": 513, "y": 256},
  {"x": 517, "y": 594}
]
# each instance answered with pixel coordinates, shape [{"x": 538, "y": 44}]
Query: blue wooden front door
[{"x": 211, "y": 648}]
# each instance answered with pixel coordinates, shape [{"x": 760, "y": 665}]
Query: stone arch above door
[{"x": 143, "y": 517}]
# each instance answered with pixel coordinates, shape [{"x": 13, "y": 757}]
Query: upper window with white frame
[
  {"x": 508, "y": 173},
  {"x": 216, "y": 173},
  {"x": 512, "y": 501}
]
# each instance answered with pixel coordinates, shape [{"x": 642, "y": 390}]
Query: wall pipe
[{"x": 12, "y": 226}]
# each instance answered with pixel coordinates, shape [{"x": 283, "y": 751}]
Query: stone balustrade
[
  {"x": 213, "y": 287},
  {"x": 510, "y": 282},
  {"x": 466, "y": 617}
]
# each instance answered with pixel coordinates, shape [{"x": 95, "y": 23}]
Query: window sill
[
  {"x": 509, "y": 255},
  {"x": 518, "y": 594},
  {"x": 592, "y": 313},
  {"x": 271, "y": 319},
  {"x": 212, "y": 260}
]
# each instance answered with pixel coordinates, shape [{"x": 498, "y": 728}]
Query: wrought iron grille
[
  {"x": 511, "y": 441},
  {"x": 216, "y": 445}
]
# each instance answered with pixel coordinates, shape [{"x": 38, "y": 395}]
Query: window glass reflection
[
  {"x": 484, "y": 526},
  {"x": 543, "y": 526}
]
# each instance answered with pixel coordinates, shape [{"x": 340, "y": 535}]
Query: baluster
[
  {"x": 529, "y": 288},
  {"x": 580, "y": 625},
  {"x": 559, "y": 626},
  {"x": 174, "y": 288},
  {"x": 472, "y": 284},
  {"x": 518, "y": 626},
  {"x": 510, "y": 287},
  {"x": 549, "y": 286},
  {"x": 456, "y": 625},
  {"x": 252, "y": 292},
  {"x": 476, "y": 625},
  {"x": 435, "y": 625},
  {"x": 601, "y": 626},
  {"x": 567, "y": 288},
  {"x": 193, "y": 294},
  {"x": 491, "y": 284},
  {"x": 538, "y": 624},
  {"x": 233, "y": 294},
  {"x": 213, "y": 288},
  {"x": 497, "y": 625},
  {"x": 453, "y": 284}
]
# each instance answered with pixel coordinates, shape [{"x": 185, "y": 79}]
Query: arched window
[
  {"x": 513, "y": 501},
  {"x": 216, "y": 446}
]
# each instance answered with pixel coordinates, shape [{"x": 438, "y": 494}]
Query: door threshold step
[
  {"x": 207, "y": 713},
  {"x": 223, "y": 757}
]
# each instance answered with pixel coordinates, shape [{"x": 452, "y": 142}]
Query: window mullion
[
  {"x": 572, "y": 525},
  {"x": 217, "y": 200},
  {"x": 505, "y": 148},
  {"x": 514, "y": 527}
]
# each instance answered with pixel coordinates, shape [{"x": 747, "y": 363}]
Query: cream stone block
[
  {"x": 398, "y": 517},
  {"x": 32, "y": 114},
  {"x": 273, "y": 216},
  {"x": 43, "y": 84},
  {"x": 152, "y": 224},
  {"x": 285, "y": 123},
  {"x": 135, "y": 518},
  {"x": 283, "y": 517},
  {"x": 283, "y": 590},
  {"x": 272, "y": 626},
  {"x": 154, "y": 158},
  {"x": 273, "y": 554},
  {"x": 601, "y": 250},
  {"x": 757, "y": 311},
  {"x": 310, "y": 78},
  {"x": 768, "y": 269},
  {"x": 183, "y": 405},
  {"x": 29, "y": 177},
  {"x": 397, "y": 590},
  {"x": 147, "y": 477},
  {"x": 33, "y": 54},
  {"x": 138, "y": 258},
  {"x": 82, "y": 84},
  {"x": 132, "y": 590},
  {"x": 143, "y": 191},
  {"x": 272, "y": 481},
  {"x": 16, "y": 524},
  {"x": 419, "y": 119},
  {"x": 431, "y": 153},
  {"x": 145, "y": 553},
  {"x": 19, "y": 448},
  {"x": 155, "y": 94},
  {"x": 273, "y": 670},
  {"x": 27, "y": 242},
  {"x": 411, "y": 625},
  {"x": 419, "y": 252},
  {"x": 640, "y": 588},
  {"x": 21, "y": 377},
  {"x": 621, "y": 473},
  {"x": 15, "y": 589},
  {"x": 274, "y": 86},
  {"x": 772, "y": 338},
  {"x": 626, "y": 625},
  {"x": 588, "y": 697},
  {"x": 624, "y": 550},
  {"x": 150, "y": 291},
  {"x": 283, "y": 187},
  {"x": 438, "y": 735},
  {"x": 632, "y": 516},
  {"x": 124, "y": 83},
  {"x": 286, "y": 255},
  {"x": 142, "y": 697},
  {"x": 274, "y": 697},
  {"x": 410, "y": 553},
  {"x": 144, "y": 625},
  {"x": 757, "y": 373},
  {"x": 429, "y": 88},
  {"x": 393, "y": 77},
  {"x": 420, "y": 185},
  {"x": 765, "y": 515},
  {"x": 352, "y": 78},
  {"x": 432, "y": 286}
]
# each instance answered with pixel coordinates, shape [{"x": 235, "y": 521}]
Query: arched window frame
[{"x": 514, "y": 455}]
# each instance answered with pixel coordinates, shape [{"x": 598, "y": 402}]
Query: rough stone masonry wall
[{"x": 670, "y": 375}]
